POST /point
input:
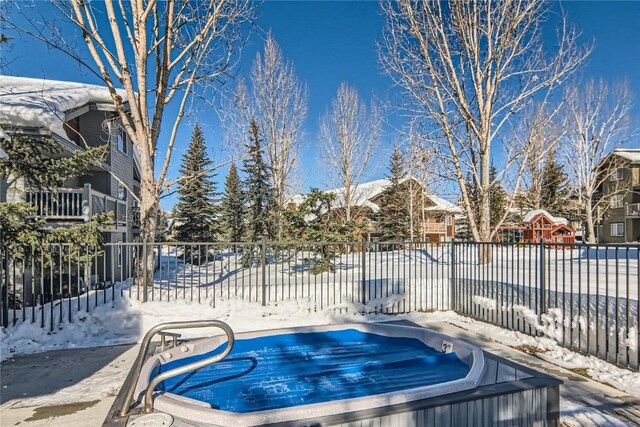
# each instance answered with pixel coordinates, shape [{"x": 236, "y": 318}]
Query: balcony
[
  {"x": 77, "y": 204},
  {"x": 435, "y": 228},
  {"x": 633, "y": 210}
]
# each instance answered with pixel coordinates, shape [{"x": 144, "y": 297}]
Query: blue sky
[{"x": 330, "y": 42}]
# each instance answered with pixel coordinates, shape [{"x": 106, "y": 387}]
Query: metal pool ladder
[{"x": 144, "y": 348}]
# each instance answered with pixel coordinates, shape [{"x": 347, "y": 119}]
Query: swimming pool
[{"x": 292, "y": 374}]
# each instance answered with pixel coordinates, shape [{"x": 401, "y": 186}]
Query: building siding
[{"x": 625, "y": 186}]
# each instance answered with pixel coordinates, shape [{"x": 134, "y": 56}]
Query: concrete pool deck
[{"x": 27, "y": 382}]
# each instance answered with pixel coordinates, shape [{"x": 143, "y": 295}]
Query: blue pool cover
[{"x": 298, "y": 369}]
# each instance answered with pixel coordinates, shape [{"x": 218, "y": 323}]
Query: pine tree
[
  {"x": 195, "y": 211},
  {"x": 497, "y": 197},
  {"x": 555, "y": 187},
  {"x": 259, "y": 192},
  {"x": 472, "y": 191},
  {"x": 322, "y": 226},
  {"x": 394, "y": 211},
  {"x": 232, "y": 207},
  {"x": 36, "y": 161}
]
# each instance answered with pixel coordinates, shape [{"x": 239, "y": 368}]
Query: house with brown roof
[
  {"x": 433, "y": 218},
  {"x": 538, "y": 225}
]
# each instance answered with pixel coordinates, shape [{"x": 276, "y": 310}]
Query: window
[
  {"x": 617, "y": 201},
  {"x": 122, "y": 139},
  {"x": 447, "y": 219},
  {"x": 617, "y": 229},
  {"x": 122, "y": 192},
  {"x": 617, "y": 175}
]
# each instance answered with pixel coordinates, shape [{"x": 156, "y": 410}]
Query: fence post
[
  {"x": 145, "y": 278},
  {"x": 5, "y": 286},
  {"x": 452, "y": 302},
  {"x": 543, "y": 280},
  {"x": 363, "y": 283},
  {"x": 263, "y": 261}
]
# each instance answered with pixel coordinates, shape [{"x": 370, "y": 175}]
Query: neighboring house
[
  {"x": 620, "y": 216},
  {"x": 433, "y": 218},
  {"x": 540, "y": 224},
  {"x": 75, "y": 115}
]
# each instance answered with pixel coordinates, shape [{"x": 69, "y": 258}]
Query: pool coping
[{"x": 537, "y": 380}]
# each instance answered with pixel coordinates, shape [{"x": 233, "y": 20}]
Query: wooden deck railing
[
  {"x": 435, "y": 227},
  {"x": 69, "y": 204}
]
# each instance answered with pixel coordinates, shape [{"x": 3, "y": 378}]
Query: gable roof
[
  {"x": 40, "y": 103},
  {"x": 631, "y": 154},
  {"x": 367, "y": 191},
  {"x": 557, "y": 220}
]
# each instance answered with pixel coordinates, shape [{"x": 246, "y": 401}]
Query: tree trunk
[
  {"x": 411, "y": 225},
  {"x": 588, "y": 215},
  {"x": 484, "y": 220},
  {"x": 149, "y": 206}
]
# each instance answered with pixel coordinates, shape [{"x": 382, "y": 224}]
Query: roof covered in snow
[
  {"x": 41, "y": 103},
  {"x": 367, "y": 191},
  {"x": 555, "y": 219},
  {"x": 631, "y": 154}
]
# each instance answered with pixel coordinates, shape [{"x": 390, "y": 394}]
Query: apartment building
[
  {"x": 620, "y": 213},
  {"x": 76, "y": 116}
]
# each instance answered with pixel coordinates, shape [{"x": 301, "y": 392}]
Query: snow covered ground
[
  {"x": 573, "y": 414},
  {"x": 590, "y": 295},
  {"x": 125, "y": 320}
]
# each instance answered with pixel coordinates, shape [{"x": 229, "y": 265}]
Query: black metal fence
[{"x": 583, "y": 296}]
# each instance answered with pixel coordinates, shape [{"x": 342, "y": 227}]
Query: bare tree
[
  {"x": 159, "y": 52},
  {"x": 540, "y": 129},
  {"x": 470, "y": 68},
  {"x": 598, "y": 120},
  {"x": 348, "y": 136},
  {"x": 278, "y": 102},
  {"x": 420, "y": 160}
]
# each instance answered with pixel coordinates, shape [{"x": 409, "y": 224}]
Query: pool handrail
[{"x": 144, "y": 348}]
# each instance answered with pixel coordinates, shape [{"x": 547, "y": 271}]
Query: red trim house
[{"x": 540, "y": 224}]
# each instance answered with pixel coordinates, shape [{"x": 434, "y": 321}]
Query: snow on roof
[
  {"x": 41, "y": 103},
  {"x": 631, "y": 154},
  {"x": 367, "y": 191},
  {"x": 555, "y": 219},
  {"x": 442, "y": 205}
]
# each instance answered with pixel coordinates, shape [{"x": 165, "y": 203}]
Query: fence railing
[{"x": 583, "y": 296}]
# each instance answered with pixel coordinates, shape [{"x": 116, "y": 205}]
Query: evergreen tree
[
  {"x": 555, "y": 187},
  {"x": 394, "y": 211},
  {"x": 259, "y": 193},
  {"x": 497, "y": 197},
  {"x": 195, "y": 211},
  {"x": 472, "y": 191},
  {"x": 36, "y": 161},
  {"x": 322, "y": 226},
  {"x": 232, "y": 211}
]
